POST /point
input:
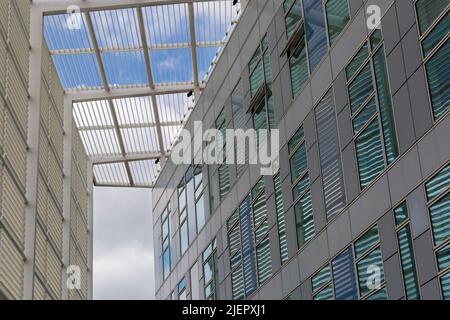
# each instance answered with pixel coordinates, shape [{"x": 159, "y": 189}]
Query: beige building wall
[{"x": 49, "y": 269}]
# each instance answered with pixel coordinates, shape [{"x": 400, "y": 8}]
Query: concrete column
[{"x": 33, "y": 143}]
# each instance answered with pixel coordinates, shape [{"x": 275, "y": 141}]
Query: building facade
[
  {"x": 360, "y": 208},
  {"x": 46, "y": 176}
]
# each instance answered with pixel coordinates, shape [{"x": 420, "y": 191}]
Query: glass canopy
[{"x": 134, "y": 74}]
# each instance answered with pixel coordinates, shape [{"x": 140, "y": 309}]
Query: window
[
  {"x": 199, "y": 198},
  {"x": 344, "y": 278},
  {"x": 261, "y": 227},
  {"x": 293, "y": 15},
  {"x": 322, "y": 288},
  {"x": 165, "y": 235},
  {"x": 211, "y": 189},
  {"x": 262, "y": 105},
  {"x": 369, "y": 265},
  {"x": 300, "y": 185},
  {"x": 183, "y": 216},
  {"x": 315, "y": 32},
  {"x": 281, "y": 219},
  {"x": 237, "y": 105},
  {"x": 248, "y": 246},
  {"x": 438, "y": 197},
  {"x": 371, "y": 109},
  {"x": 406, "y": 252},
  {"x": 210, "y": 272},
  {"x": 182, "y": 290},
  {"x": 330, "y": 156},
  {"x": 299, "y": 67},
  {"x": 224, "y": 173},
  {"x": 337, "y": 18},
  {"x": 234, "y": 246}
]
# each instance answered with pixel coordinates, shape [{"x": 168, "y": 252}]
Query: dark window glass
[
  {"x": 428, "y": 11},
  {"x": 315, "y": 32},
  {"x": 344, "y": 278},
  {"x": 408, "y": 266},
  {"x": 281, "y": 219},
  {"x": 337, "y": 18},
  {"x": 299, "y": 67},
  {"x": 248, "y": 247},
  {"x": 304, "y": 219},
  {"x": 357, "y": 61},
  {"x": 435, "y": 36}
]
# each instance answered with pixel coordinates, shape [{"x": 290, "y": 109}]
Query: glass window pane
[
  {"x": 296, "y": 139},
  {"x": 401, "y": 214},
  {"x": 366, "y": 274},
  {"x": 337, "y": 18},
  {"x": 237, "y": 282},
  {"x": 379, "y": 295},
  {"x": 166, "y": 263},
  {"x": 235, "y": 260},
  {"x": 293, "y": 16},
  {"x": 259, "y": 210},
  {"x": 325, "y": 294},
  {"x": 321, "y": 278},
  {"x": 357, "y": 61},
  {"x": 440, "y": 219},
  {"x": 264, "y": 261},
  {"x": 298, "y": 163},
  {"x": 444, "y": 258},
  {"x": 367, "y": 241},
  {"x": 301, "y": 187},
  {"x": 438, "y": 184},
  {"x": 369, "y": 154},
  {"x": 360, "y": 89},
  {"x": 315, "y": 32},
  {"x": 445, "y": 285},
  {"x": 344, "y": 277},
  {"x": 256, "y": 190},
  {"x": 184, "y": 238},
  {"x": 376, "y": 38},
  {"x": 200, "y": 213},
  {"x": 256, "y": 78},
  {"x": 208, "y": 271},
  {"x": 428, "y": 11},
  {"x": 248, "y": 247},
  {"x": 364, "y": 116},
  {"x": 234, "y": 239},
  {"x": 438, "y": 72},
  {"x": 281, "y": 219},
  {"x": 224, "y": 180},
  {"x": 384, "y": 100},
  {"x": 304, "y": 219},
  {"x": 299, "y": 67},
  {"x": 435, "y": 36},
  {"x": 330, "y": 156},
  {"x": 181, "y": 199},
  {"x": 408, "y": 266}
]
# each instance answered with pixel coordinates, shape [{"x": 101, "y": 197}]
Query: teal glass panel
[
  {"x": 438, "y": 184},
  {"x": 436, "y": 35},
  {"x": 337, "y": 18},
  {"x": 224, "y": 180},
  {"x": 296, "y": 139},
  {"x": 440, "y": 219},
  {"x": 325, "y": 294},
  {"x": 259, "y": 210},
  {"x": 298, "y": 163},
  {"x": 281, "y": 219},
  {"x": 384, "y": 99},
  {"x": 443, "y": 257},
  {"x": 357, "y": 61},
  {"x": 401, "y": 214},
  {"x": 321, "y": 278},
  {"x": 299, "y": 68},
  {"x": 361, "y": 88},
  {"x": 379, "y": 295},
  {"x": 376, "y": 38},
  {"x": 428, "y": 11},
  {"x": 369, "y": 151},
  {"x": 445, "y": 285},
  {"x": 258, "y": 188},
  {"x": 293, "y": 16},
  {"x": 234, "y": 240},
  {"x": 304, "y": 219},
  {"x": 264, "y": 261},
  {"x": 301, "y": 187},
  {"x": 256, "y": 78},
  {"x": 237, "y": 283},
  {"x": 408, "y": 266},
  {"x": 367, "y": 241},
  {"x": 364, "y": 116},
  {"x": 365, "y": 274}
]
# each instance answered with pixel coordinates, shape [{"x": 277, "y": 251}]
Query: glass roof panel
[
  {"x": 90, "y": 114},
  {"x": 144, "y": 172},
  {"x": 206, "y": 59},
  {"x": 125, "y": 68},
  {"x": 140, "y": 140},
  {"x": 172, "y": 65},
  {"x": 134, "y": 111},
  {"x": 100, "y": 142},
  {"x": 111, "y": 174}
]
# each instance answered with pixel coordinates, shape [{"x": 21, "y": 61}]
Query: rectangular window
[
  {"x": 371, "y": 107},
  {"x": 224, "y": 173},
  {"x": 182, "y": 290},
  {"x": 300, "y": 185},
  {"x": 259, "y": 209},
  {"x": 239, "y": 112},
  {"x": 211, "y": 189},
  {"x": 248, "y": 246},
  {"x": 434, "y": 19},
  {"x": 438, "y": 196},
  {"x": 298, "y": 64},
  {"x": 281, "y": 219},
  {"x": 344, "y": 278},
  {"x": 234, "y": 246},
  {"x": 261, "y": 87},
  {"x": 210, "y": 272},
  {"x": 316, "y": 36},
  {"x": 369, "y": 264},
  {"x": 406, "y": 253},
  {"x": 165, "y": 236},
  {"x": 293, "y": 15},
  {"x": 330, "y": 156},
  {"x": 338, "y": 16},
  {"x": 199, "y": 198},
  {"x": 322, "y": 288}
]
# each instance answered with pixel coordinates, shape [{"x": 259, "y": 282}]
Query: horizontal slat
[
  {"x": 11, "y": 267},
  {"x": 13, "y": 207}
]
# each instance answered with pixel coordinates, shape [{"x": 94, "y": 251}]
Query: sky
[{"x": 123, "y": 244}]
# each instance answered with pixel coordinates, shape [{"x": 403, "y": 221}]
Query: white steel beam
[{"x": 126, "y": 158}]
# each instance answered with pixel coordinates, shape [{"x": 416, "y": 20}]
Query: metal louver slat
[
  {"x": 44, "y": 106},
  {"x": 42, "y": 200},
  {"x": 55, "y": 176},
  {"x": 19, "y": 43},
  {"x": 56, "y": 134},
  {"x": 11, "y": 267},
  {"x": 54, "y": 272},
  {"x": 40, "y": 251},
  {"x": 54, "y": 225},
  {"x": 17, "y": 93},
  {"x": 46, "y": 60},
  {"x": 23, "y": 8},
  {"x": 4, "y": 16},
  {"x": 39, "y": 292},
  {"x": 13, "y": 207},
  {"x": 2, "y": 59},
  {"x": 15, "y": 149}
]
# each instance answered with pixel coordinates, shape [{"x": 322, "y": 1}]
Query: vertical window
[
  {"x": 183, "y": 217},
  {"x": 406, "y": 252},
  {"x": 199, "y": 198},
  {"x": 261, "y": 104},
  {"x": 337, "y": 18},
  {"x": 237, "y": 104},
  {"x": 371, "y": 109},
  {"x": 211, "y": 189},
  {"x": 248, "y": 246},
  {"x": 322, "y": 288},
  {"x": 438, "y": 197},
  {"x": 434, "y": 19},
  {"x": 261, "y": 228},
  {"x": 293, "y": 15},
  {"x": 224, "y": 173},
  {"x": 234, "y": 246},
  {"x": 301, "y": 188},
  {"x": 165, "y": 232},
  {"x": 316, "y": 36},
  {"x": 344, "y": 278},
  {"x": 281, "y": 219},
  {"x": 182, "y": 290},
  {"x": 299, "y": 67},
  {"x": 210, "y": 272},
  {"x": 369, "y": 265},
  {"x": 330, "y": 156}
]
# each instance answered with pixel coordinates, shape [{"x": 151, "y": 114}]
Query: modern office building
[{"x": 360, "y": 208}]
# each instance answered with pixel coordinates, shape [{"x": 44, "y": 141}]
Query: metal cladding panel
[
  {"x": 54, "y": 225},
  {"x": 2, "y": 59},
  {"x": 11, "y": 267},
  {"x": 17, "y": 92},
  {"x": 39, "y": 292},
  {"x": 55, "y": 178},
  {"x": 42, "y": 196},
  {"x": 20, "y": 44},
  {"x": 4, "y": 15},
  {"x": 15, "y": 149},
  {"x": 56, "y": 132},
  {"x": 54, "y": 272},
  {"x": 45, "y": 101},
  {"x": 40, "y": 251}
]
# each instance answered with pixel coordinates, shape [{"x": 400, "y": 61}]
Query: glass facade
[
  {"x": 371, "y": 108},
  {"x": 315, "y": 31},
  {"x": 338, "y": 16},
  {"x": 281, "y": 219},
  {"x": 223, "y": 170},
  {"x": 165, "y": 232},
  {"x": 210, "y": 272}
]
